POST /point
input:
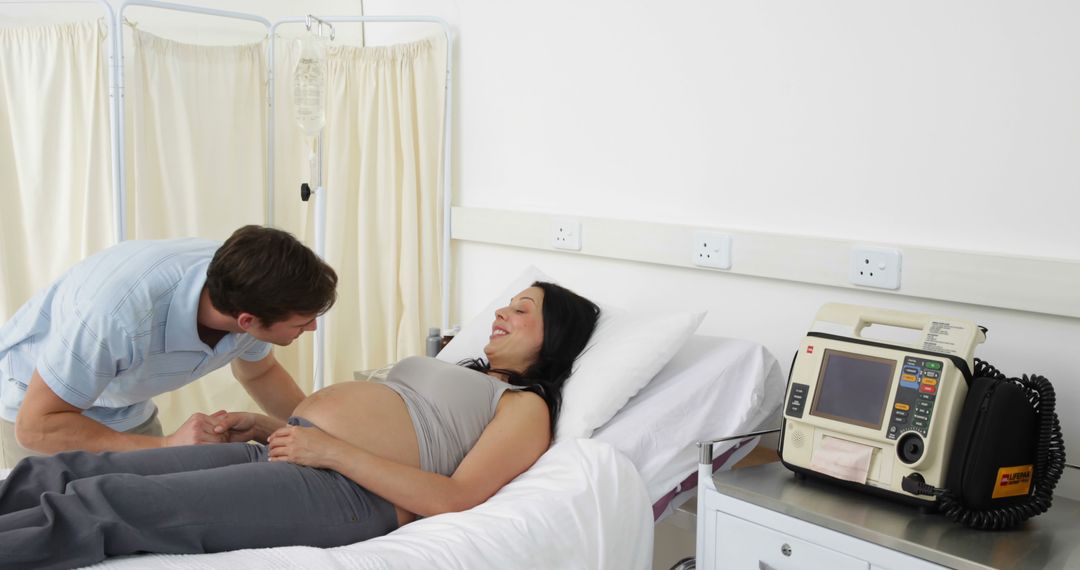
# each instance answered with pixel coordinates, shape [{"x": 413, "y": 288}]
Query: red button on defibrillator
[{"x": 927, "y": 388}]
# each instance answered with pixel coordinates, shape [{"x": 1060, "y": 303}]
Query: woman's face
[{"x": 518, "y": 332}]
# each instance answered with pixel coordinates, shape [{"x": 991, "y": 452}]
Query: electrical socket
[
  {"x": 566, "y": 234},
  {"x": 875, "y": 267},
  {"x": 711, "y": 249}
]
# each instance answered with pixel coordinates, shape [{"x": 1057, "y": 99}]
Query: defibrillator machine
[{"x": 896, "y": 419}]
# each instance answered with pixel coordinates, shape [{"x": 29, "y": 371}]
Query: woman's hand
[{"x": 308, "y": 446}]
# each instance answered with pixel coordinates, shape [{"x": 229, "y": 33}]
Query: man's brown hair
[{"x": 267, "y": 272}]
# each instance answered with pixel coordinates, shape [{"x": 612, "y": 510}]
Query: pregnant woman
[{"x": 356, "y": 460}]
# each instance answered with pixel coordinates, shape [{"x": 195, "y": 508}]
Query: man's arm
[
  {"x": 48, "y": 424},
  {"x": 269, "y": 384}
]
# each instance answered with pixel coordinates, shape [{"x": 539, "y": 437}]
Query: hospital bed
[{"x": 587, "y": 503}]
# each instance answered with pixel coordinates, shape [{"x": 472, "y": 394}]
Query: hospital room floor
[{"x": 674, "y": 536}]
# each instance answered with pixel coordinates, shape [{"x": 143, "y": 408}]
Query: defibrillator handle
[
  {"x": 858, "y": 317},
  {"x": 874, "y": 316},
  {"x": 851, "y": 320}
]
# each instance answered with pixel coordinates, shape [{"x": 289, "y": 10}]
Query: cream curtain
[
  {"x": 196, "y": 154},
  {"x": 382, "y": 150},
  {"x": 196, "y": 164},
  {"x": 56, "y": 198}
]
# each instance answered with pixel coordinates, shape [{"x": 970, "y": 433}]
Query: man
[{"x": 81, "y": 360}]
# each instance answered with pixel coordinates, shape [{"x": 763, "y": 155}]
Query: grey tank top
[{"x": 450, "y": 406}]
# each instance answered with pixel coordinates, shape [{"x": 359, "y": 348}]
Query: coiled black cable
[{"x": 1049, "y": 460}]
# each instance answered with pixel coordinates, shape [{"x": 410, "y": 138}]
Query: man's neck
[{"x": 213, "y": 325}]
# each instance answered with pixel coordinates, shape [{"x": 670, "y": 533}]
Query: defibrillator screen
[{"x": 853, "y": 388}]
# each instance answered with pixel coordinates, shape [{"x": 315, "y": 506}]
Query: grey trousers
[{"x": 76, "y": 508}]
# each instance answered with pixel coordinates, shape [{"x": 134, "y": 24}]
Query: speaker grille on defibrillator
[{"x": 798, "y": 438}]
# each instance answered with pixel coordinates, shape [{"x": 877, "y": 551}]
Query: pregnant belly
[{"x": 367, "y": 415}]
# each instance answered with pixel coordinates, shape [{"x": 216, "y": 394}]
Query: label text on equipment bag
[{"x": 1013, "y": 481}]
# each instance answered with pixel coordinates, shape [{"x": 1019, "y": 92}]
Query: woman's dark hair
[
  {"x": 267, "y": 272},
  {"x": 569, "y": 321}
]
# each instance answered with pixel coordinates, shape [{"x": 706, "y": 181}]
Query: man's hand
[
  {"x": 237, "y": 427},
  {"x": 199, "y": 428}
]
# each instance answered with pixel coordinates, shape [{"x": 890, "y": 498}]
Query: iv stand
[{"x": 320, "y": 218}]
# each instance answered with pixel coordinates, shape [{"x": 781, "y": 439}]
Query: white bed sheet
[{"x": 712, "y": 388}]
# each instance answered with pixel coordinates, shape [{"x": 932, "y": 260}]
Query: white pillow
[{"x": 625, "y": 352}]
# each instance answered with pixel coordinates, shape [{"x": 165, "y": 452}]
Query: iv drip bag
[{"x": 309, "y": 85}]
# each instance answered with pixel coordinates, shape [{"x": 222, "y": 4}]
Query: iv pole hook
[{"x": 310, "y": 21}]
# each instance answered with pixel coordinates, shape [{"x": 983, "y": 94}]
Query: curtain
[
  {"x": 56, "y": 197},
  {"x": 382, "y": 168},
  {"x": 196, "y": 153},
  {"x": 196, "y": 163}
]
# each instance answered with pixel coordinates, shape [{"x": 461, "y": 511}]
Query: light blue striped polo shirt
[{"x": 116, "y": 330}]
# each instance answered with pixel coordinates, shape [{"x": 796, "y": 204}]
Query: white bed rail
[{"x": 705, "y": 477}]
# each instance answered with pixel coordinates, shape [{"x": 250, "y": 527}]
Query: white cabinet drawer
[{"x": 741, "y": 544}]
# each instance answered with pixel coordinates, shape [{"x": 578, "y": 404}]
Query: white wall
[{"x": 948, "y": 124}]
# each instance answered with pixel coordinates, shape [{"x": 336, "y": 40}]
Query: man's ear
[{"x": 246, "y": 321}]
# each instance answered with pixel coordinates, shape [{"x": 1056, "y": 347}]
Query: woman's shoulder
[
  {"x": 522, "y": 401},
  {"x": 526, "y": 414}
]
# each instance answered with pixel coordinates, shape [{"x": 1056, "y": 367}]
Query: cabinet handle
[{"x": 785, "y": 549}]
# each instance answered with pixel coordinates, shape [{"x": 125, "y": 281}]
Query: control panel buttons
[
  {"x": 914, "y": 404},
  {"x": 797, "y": 400}
]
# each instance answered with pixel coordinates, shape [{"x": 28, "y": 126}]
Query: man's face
[{"x": 282, "y": 333}]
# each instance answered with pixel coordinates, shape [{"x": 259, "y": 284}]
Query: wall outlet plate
[
  {"x": 566, "y": 234},
  {"x": 711, "y": 249},
  {"x": 872, "y": 266}
]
